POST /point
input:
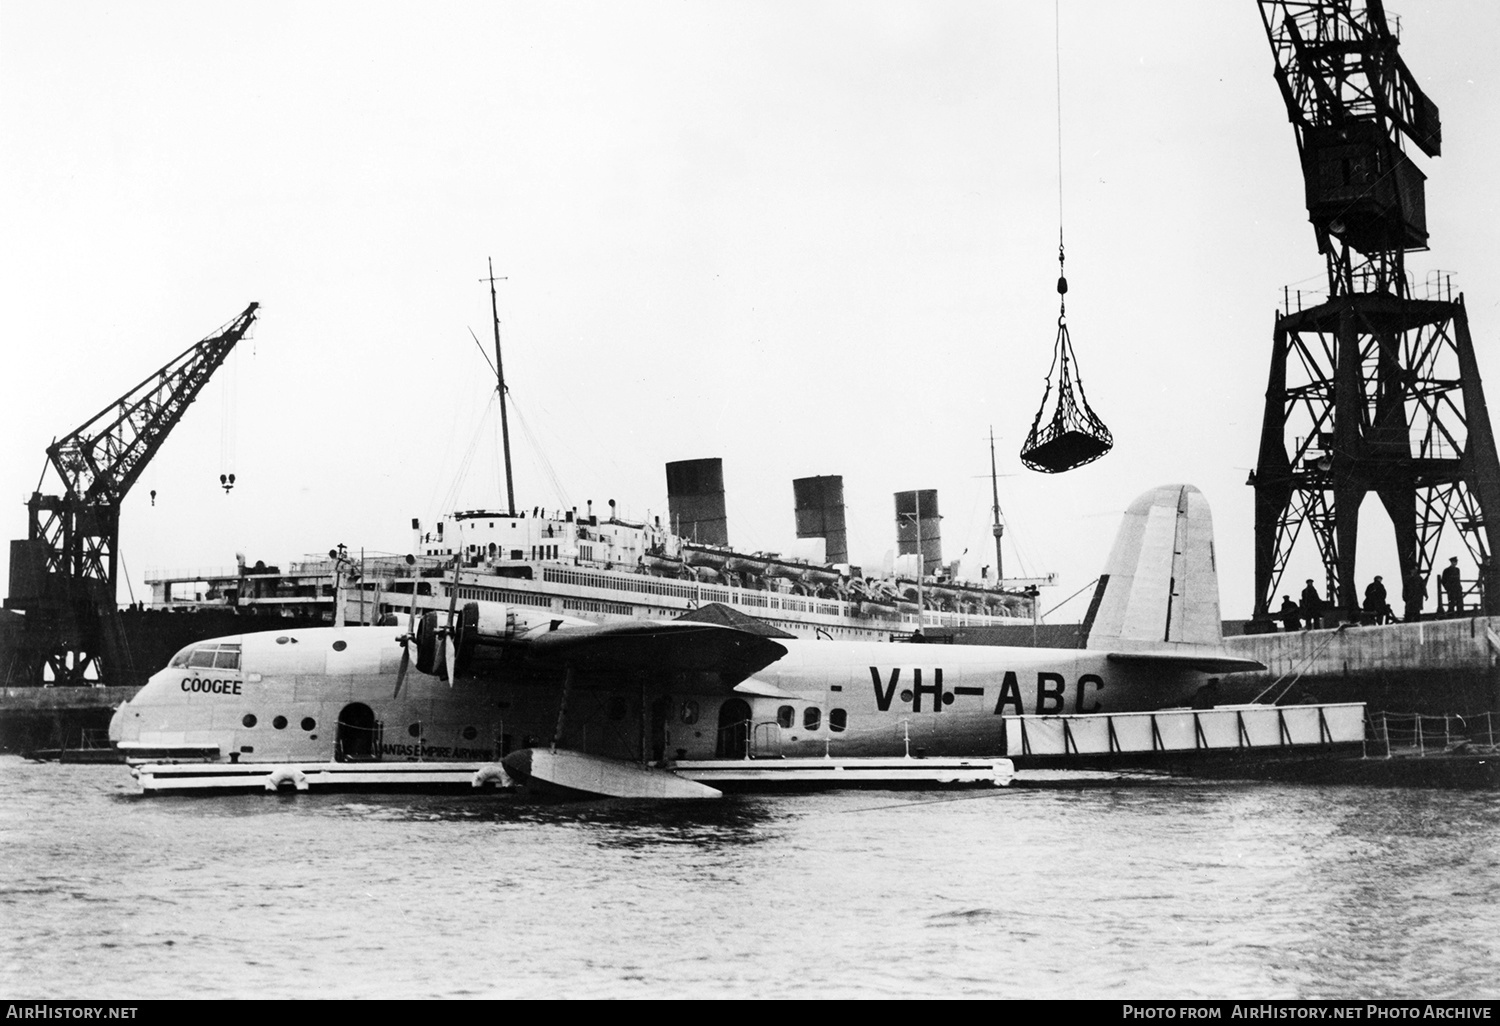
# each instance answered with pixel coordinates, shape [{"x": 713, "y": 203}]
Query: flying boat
[{"x": 638, "y": 708}]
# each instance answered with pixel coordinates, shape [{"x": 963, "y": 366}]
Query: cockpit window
[{"x": 220, "y": 657}]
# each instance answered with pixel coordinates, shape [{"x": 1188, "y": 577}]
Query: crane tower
[
  {"x": 63, "y": 574},
  {"x": 1373, "y": 389}
]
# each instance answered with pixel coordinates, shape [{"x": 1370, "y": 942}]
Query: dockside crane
[
  {"x": 63, "y": 574},
  {"x": 1373, "y": 389}
]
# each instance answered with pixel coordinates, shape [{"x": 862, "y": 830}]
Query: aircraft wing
[
  {"x": 658, "y": 648},
  {"x": 1208, "y": 662}
]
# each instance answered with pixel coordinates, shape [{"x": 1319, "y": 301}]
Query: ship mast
[
  {"x": 998, "y": 529},
  {"x": 510, "y": 490}
]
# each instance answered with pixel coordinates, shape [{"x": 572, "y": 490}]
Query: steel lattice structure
[
  {"x": 1372, "y": 390},
  {"x": 63, "y": 574}
]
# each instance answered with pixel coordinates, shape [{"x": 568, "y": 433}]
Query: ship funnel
[
  {"x": 820, "y": 514},
  {"x": 917, "y": 518},
  {"x": 695, "y": 500}
]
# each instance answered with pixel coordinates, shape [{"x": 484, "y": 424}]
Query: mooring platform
[
  {"x": 1178, "y": 732},
  {"x": 723, "y": 774},
  {"x": 222, "y": 777},
  {"x": 824, "y": 773}
]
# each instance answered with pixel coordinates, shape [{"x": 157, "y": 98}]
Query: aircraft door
[
  {"x": 660, "y": 730},
  {"x": 734, "y": 730},
  {"x": 358, "y": 736}
]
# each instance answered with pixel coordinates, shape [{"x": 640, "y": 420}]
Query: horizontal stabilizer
[{"x": 1208, "y": 662}]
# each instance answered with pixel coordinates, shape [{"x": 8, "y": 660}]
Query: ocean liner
[{"x": 579, "y": 564}]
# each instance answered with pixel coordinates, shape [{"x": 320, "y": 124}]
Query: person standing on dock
[
  {"x": 1312, "y": 606},
  {"x": 1289, "y": 614},
  {"x": 1453, "y": 586},
  {"x": 1414, "y": 596},
  {"x": 1377, "y": 610}
]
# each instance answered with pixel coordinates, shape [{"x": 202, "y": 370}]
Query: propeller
[
  {"x": 434, "y": 653},
  {"x": 441, "y": 649},
  {"x": 410, "y": 634}
]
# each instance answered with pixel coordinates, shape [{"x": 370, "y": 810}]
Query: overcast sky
[{"x": 807, "y": 238}]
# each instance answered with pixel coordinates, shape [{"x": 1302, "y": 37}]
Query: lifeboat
[
  {"x": 699, "y": 556},
  {"x": 753, "y": 565},
  {"x": 663, "y": 566}
]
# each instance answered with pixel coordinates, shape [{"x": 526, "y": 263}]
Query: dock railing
[{"x": 1404, "y": 735}]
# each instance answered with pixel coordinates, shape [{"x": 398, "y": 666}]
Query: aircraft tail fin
[{"x": 1160, "y": 589}]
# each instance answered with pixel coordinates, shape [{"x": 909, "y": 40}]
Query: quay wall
[
  {"x": 32, "y": 718},
  {"x": 1432, "y": 666}
]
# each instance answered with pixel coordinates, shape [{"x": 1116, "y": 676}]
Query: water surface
[{"x": 1123, "y": 891}]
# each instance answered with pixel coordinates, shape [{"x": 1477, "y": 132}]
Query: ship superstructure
[{"x": 579, "y": 564}]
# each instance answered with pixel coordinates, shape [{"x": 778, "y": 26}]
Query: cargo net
[{"x": 1074, "y": 434}]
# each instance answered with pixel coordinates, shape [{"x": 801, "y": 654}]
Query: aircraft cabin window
[
  {"x": 786, "y": 716},
  {"x": 249, "y": 720},
  {"x": 812, "y": 716},
  {"x": 414, "y": 729},
  {"x": 690, "y": 711},
  {"x": 308, "y": 723},
  {"x": 838, "y": 719},
  {"x": 279, "y": 723},
  {"x": 339, "y": 646}
]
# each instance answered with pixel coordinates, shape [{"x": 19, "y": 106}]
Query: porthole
[
  {"x": 308, "y": 723},
  {"x": 249, "y": 720},
  {"x": 786, "y": 716},
  {"x": 279, "y": 723},
  {"x": 838, "y": 719},
  {"x": 283, "y": 640},
  {"x": 812, "y": 717},
  {"x": 340, "y": 645},
  {"x": 470, "y": 733},
  {"x": 690, "y": 711},
  {"x": 414, "y": 729}
]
